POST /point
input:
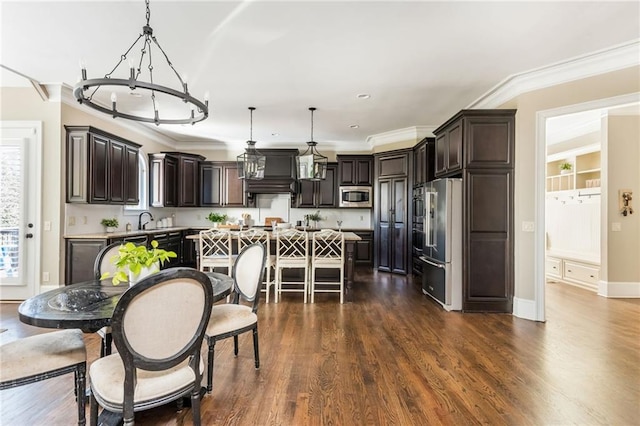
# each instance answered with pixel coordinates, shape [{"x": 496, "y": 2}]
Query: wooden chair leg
[
  {"x": 93, "y": 411},
  {"x": 212, "y": 343},
  {"x": 235, "y": 345},
  {"x": 81, "y": 396},
  {"x": 195, "y": 406},
  {"x": 256, "y": 351}
]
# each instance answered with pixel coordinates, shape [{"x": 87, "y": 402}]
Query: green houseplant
[
  {"x": 565, "y": 167},
  {"x": 134, "y": 262},
  {"x": 216, "y": 218},
  {"x": 315, "y": 217},
  {"x": 110, "y": 224}
]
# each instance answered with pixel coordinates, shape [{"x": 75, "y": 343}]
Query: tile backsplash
[{"x": 85, "y": 218}]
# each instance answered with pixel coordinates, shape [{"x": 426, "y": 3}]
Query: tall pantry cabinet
[{"x": 478, "y": 145}]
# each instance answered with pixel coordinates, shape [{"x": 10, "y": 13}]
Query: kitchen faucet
[{"x": 141, "y": 225}]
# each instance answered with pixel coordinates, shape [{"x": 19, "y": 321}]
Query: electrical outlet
[
  {"x": 616, "y": 226},
  {"x": 45, "y": 277},
  {"x": 47, "y": 225},
  {"x": 71, "y": 221},
  {"x": 199, "y": 217},
  {"x": 361, "y": 218},
  {"x": 84, "y": 220},
  {"x": 528, "y": 226}
]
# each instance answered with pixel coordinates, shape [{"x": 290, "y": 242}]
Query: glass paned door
[{"x": 19, "y": 195}]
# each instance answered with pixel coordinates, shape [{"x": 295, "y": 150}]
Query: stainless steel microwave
[{"x": 356, "y": 196}]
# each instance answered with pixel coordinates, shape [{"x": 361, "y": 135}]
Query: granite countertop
[{"x": 123, "y": 234}]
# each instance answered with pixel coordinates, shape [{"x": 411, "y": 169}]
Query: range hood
[{"x": 279, "y": 173}]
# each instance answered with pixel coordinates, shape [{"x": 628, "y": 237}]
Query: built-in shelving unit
[{"x": 585, "y": 172}]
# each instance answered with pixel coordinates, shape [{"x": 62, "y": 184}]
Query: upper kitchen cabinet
[
  {"x": 174, "y": 179},
  {"x": 220, "y": 186},
  {"x": 319, "y": 194},
  {"x": 423, "y": 170},
  {"x": 475, "y": 139},
  {"x": 355, "y": 170},
  {"x": 101, "y": 168}
]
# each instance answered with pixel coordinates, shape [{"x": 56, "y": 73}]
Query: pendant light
[
  {"x": 251, "y": 164},
  {"x": 311, "y": 165},
  {"x": 97, "y": 92}
]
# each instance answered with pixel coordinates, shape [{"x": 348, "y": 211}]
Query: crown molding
[
  {"x": 415, "y": 133},
  {"x": 600, "y": 62}
]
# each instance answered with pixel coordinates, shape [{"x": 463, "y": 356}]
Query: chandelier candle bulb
[{"x": 114, "y": 98}]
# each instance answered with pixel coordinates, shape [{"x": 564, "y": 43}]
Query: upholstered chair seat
[
  {"x": 43, "y": 356},
  {"x": 230, "y": 317},
  {"x": 107, "y": 375}
]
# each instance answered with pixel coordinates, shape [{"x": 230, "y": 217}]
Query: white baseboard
[
  {"x": 619, "y": 289},
  {"x": 524, "y": 308}
]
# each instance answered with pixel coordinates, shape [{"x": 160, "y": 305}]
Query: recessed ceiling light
[
  {"x": 354, "y": 126},
  {"x": 275, "y": 134},
  {"x": 363, "y": 96}
]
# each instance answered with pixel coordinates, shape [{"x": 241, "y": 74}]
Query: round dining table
[{"x": 89, "y": 305}]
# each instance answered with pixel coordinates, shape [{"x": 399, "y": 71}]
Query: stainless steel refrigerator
[{"x": 442, "y": 255}]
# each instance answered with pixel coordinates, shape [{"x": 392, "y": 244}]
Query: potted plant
[
  {"x": 315, "y": 217},
  {"x": 135, "y": 262},
  {"x": 217, "y": 218},
  {"x": 110, "y": 224},
  {"x": 565, "y": 168}
]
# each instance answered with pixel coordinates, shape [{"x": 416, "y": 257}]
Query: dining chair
[
  {"x": 158, "y": 326},
  {"x": 327, "y": 253},
  {"x": 216, "y": 250},
  {"x": 104, "y": 264},
  {"x": 292, "y": 251},
  {"x": 255, "y": 235},
  {"x": 235, "y": 318},
  {"x": 43, "y": 356}
]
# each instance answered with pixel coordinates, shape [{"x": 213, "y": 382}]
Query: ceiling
[{"x": 419, "y": 61}]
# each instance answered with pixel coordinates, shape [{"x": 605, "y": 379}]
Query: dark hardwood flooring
[{"x": 394, "y": 357}]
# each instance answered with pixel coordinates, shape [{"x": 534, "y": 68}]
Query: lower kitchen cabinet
[
  {"x": 170, "y": 241},
  {"x": 81, "y": 253},
  {"x": 80, "y": 257},
  {"x": 364, "y": 248}
]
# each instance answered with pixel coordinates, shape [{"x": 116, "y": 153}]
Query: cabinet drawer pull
[
  {"x": 569, "y": 270},
  {"x": 591, "y": 276}
]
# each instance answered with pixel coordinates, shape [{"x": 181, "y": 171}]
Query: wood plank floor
[{"x": 393, "y": 357}]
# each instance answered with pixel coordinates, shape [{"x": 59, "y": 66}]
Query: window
[{"x": 143, "y": 188}]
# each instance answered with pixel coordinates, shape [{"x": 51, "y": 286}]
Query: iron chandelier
[
  {"x": 251, "y": 163},
  {"x": 311, "y": 165},
  {"x": 144, "y": 94}
]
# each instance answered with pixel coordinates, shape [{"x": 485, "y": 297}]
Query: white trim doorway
[
  {"x": 540, "y": 185},
  {"x": 25, "y": 139}
]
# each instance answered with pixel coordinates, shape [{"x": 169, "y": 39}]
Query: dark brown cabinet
[
  {"x": 101, "y": 168},
  {"x": 81, "y": 253},
  {"x": 220, "y": 185},
  {"x": 486, "y": 143},
  {"x": 448, "y": 150},
  {"x": 423, "y": 158},
  {"x": 391, "y": 206},
  {"x": 170, "y": 241},
  {"x": 174, "y": 179},
  {"x": 364, "y": 248},
  {"x": 355, "y": 170},
  {"x": 319, "y": 194}
]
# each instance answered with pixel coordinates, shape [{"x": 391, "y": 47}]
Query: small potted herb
[
  {"x": 135, "y": 262},
  {"x": 315, "y": 217},
  {"x": 216, "y": 218},
  {"x": 110, "y": 224},
  {"x": 565, "y": 168}
]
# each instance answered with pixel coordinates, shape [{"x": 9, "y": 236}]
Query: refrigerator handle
[
  {"x": 437, "y": 265},
  {"x": 429, "y": 219}
]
